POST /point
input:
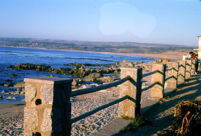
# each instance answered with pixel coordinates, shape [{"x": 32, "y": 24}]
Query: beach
[{"x": 11, "y": 115}]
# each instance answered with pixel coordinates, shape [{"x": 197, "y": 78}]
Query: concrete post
[
  {"x": 188, "y": 69},
  {"x": 158, "y": 78},
  {"x": 182, "y": 72},
  {"x": 48, "y": 108},
  {"x": 199, "y": 51},
  {"x": 130, "y": 108},
  {"x": 193, "y": 67},
  {"x": 172, "y": 75}
]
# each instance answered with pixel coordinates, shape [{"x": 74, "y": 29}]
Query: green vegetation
[
  {"x": 135, "y": 122},
  {"x": 117, "y": 47}
]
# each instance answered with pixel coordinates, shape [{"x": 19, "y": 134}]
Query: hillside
[{"x": 115, "y": 47}]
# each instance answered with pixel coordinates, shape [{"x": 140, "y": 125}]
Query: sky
[{"x": 145, "y": 21}]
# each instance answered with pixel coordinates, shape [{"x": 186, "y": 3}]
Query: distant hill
[{"x": 116, "y": 47}]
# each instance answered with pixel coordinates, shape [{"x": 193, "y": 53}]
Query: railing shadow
[
  {"x": 190, "y": 91},
  {"x": 152, "y": 85}
]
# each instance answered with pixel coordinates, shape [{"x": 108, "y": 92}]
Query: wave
[{"x": 90, "y": 59}]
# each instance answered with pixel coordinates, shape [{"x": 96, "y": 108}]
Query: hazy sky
[{"x": 155, "y": 21}]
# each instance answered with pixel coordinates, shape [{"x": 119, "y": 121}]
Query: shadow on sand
[{"x": 161, "y": 115}]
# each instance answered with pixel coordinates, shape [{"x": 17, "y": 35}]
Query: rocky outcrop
[
  {"x": 7, "y": 83},
  {"x": 13, "y": 75},
  {"x": 162, "y": 60},
  {"x": 28, "y": 66},
  {"x": 19, "y": 84},
  {"x": 11, "y": 98},
  {"x": 92, "y": 76},
  {"x": 105, "y": 79},
  {"x": 87, "y": 64},
  {"x": 82, "y": 73},
  {"x": 124, "y": 63}
]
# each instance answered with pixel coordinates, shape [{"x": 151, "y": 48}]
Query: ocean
[{"x": 54, "y": 58}]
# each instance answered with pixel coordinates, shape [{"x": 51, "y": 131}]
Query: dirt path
[{"x": 161, "y": 115}]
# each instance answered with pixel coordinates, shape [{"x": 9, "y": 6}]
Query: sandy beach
[
  {"x": 11, "y": 115},
  {"x": 174, "y": 55}
]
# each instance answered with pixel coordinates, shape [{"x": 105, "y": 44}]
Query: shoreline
[
  {"x": 15, "y": 109},
  {"x": 174, "y": 55}
]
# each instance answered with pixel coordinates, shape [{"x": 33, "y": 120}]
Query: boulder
[
  {"x": 92, "y": 77},
  {"x": 11, "y": 98},
  {"x": 19, "y": 84},
  {"x": 105, "y": 79},
  {"x": 28, "y": 66},
  {"x": 126, "y": 63},
  {"x": 13, "y": 75},
  {"x": 162, "y": 60},
  {"x": 8, "y": 83},
  {"x": 4, "y": 92},
  {"x": 22, "y": 92}
]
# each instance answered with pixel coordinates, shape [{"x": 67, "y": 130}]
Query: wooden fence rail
[{"x": 48, "y": 105}]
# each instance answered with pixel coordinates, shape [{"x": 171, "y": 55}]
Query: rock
[
  {"x": 22, "y": 92},
  {"x": 11, "y": 98},
  {"x": 65, "y": 71},
  {"x": 8, "y": 83},
  {"x": 162, "y": 60},
  {"x": 74, "y": 64},
  {"x": 4, "y": 92},
  {"x": 93, "y": 85},
  {"x": 105, "y": 79},
  {"x": 124, "y": 63},
  {"x": 1, "y": 97},
  {"x": 87, "y": 64},
  {"x": 28, "y": 66},
  {"x": 50, "y": 75},
  {"x": 79, "y": 72},
  {"x": 13, "y": 75},
  {"x": 19, "y": 84},
  {"x": 147, "y": 68},
  {"x": 75, "y": 82},
  {"x": 83, "y": 87},
  {"x": 92, "y": 76},
  {"x": 116, "y": 71}
]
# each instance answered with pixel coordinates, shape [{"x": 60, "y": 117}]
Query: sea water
[{"x": 54, "y": 58}]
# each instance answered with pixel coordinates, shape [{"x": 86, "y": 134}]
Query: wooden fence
[{"x": 48, "y": 105}]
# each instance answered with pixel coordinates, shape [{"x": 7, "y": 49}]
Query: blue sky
[{"x": 149, "y": 21}]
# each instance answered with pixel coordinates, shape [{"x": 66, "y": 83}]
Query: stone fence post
[
  {"x": 188, "y": 69},
  {"x": 193, "y": 67},
  {"x": 48, "y": 108},
  {"x": 158, "y": 79},
  {"x": 171, "y": 81},
  {"x": 182, "y": 72},
  {"x": 130, "y": 108}
]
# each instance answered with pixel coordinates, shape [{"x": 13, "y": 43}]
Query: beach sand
[{"x": 11, "y": 115}]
